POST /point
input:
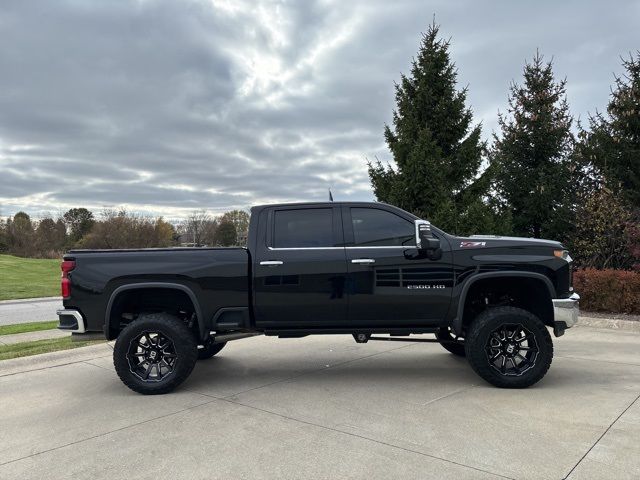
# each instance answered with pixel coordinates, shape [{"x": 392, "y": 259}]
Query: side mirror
[{"x": 424, "y": 238}]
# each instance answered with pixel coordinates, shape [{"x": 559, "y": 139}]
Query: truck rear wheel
[
  {"x": 509, "y": 347},
  {"x": 450, "y": 342},
  {"x": 208, "y": 350},
  {"x": 155, "y": 353}
]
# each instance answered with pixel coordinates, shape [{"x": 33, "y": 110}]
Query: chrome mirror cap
[{"x": 422, "y": 227}]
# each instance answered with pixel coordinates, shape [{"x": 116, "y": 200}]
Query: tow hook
[{"x": 361, "y": 337}]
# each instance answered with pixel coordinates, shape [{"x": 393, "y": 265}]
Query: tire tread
[
  {"x": 476, "y": 355},
  {"x": 180, "y": 335}
]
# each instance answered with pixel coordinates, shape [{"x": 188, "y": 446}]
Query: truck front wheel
[
  {"x": 155, "y": 353},
  {"x": 509, "y": 347}
]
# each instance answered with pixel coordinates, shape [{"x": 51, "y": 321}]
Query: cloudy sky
[{"x": 166, "y": 107}]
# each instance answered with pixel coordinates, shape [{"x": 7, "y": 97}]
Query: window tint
[
  {"x": 312, "y": 227},
  {"x": 373, "y": 227}
]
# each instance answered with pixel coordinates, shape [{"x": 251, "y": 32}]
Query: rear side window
[
  {"x": 373, "y": 227},
  {"x": 310, "y": 227}
]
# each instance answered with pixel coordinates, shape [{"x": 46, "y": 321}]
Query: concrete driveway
[{"x": 326, "y": 407}]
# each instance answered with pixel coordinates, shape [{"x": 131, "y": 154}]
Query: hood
[{"x": 497, "y": 240}]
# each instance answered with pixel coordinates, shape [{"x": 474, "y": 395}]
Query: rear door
[
  {"x": 300, "y": 269},
  {"x": 391, "y": 283}
]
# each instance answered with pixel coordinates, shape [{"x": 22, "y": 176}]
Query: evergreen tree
[
  {"x": 603, "y": 232},
  {"x": 533, "y": 154},
  {"x": 437, "y": 151},
  {"x": 613, "y": 144}
]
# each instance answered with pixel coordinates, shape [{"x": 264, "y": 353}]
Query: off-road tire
[
  {"x": 446, "y": 340},
  {"x": 208, "y": 350},
  {"x": 478, "y": 338},
  {"x": 183, "y": 341}
]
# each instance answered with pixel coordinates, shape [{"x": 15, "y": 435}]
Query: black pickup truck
[{"x": 363, "y": 269}]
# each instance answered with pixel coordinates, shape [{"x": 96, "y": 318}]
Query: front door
[
  {"x": 390, "y": 282},
  {"x": 300, "y": 269}
]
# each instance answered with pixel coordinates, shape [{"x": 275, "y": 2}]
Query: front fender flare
[{"x": 456, "y": 323}]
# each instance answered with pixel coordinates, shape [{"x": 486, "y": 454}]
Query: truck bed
[{"x": 218, "y": 277}]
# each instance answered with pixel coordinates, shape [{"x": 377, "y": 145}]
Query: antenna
[{"x": 330, "y": 196}]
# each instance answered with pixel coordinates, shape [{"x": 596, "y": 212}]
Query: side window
[
  {"x": 309, "y": 227},
  {"x": 374, "y": 227}
]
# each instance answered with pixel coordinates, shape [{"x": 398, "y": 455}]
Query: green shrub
[{"x": 616, "y": 291}]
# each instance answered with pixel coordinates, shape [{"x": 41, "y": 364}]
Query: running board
[
  {"x": 302, "y": 332},
  {"x": 228, "y": 337},
  {"x": 407, "y": 339}
]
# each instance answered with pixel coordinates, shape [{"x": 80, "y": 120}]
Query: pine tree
[
  {"x": 613, "y": 144},
  {"x": 437, "y": 151},
  {"x": 532, "y": 156}
]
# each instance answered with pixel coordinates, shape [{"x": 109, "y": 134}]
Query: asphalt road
[
  {"x": 29, "y": 310},
  {"x": 327, "y": 408}
]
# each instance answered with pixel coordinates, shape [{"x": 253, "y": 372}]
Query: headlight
[{"x": 563, "y": 254}]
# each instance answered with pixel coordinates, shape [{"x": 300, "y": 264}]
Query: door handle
[
  {"x": 272, "y": 263},
  {"x": 363, "y": 260}
]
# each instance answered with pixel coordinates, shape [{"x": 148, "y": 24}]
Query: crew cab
[{"x": 365, "y": 269}]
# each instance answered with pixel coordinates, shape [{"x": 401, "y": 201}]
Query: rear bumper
[
  {"x": 565, "y": 313},
  {"x": 71, "y": 321}
]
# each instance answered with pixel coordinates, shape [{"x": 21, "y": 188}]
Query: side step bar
[
  {"x": 228, "y": 337},
  {"x": 299, "y": 332}
]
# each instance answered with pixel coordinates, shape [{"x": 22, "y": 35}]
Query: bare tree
[
  {"x": 120, "y": 229},
  {"x": 195, "y": 226}
]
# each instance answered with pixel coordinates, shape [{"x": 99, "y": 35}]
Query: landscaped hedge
[{"x": 615, "y": 291}]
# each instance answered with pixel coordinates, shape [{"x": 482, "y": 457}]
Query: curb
[
  {"x": 626, "y": 325},
  {"x": 59, "y": 358},
  {"x": 18, "y": 301},
  {"x": 14, "y": 338}
]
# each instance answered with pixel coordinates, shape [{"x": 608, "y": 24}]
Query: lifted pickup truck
[{"x": 362, "y": 269}]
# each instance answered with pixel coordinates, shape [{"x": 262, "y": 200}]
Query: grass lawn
[
  {"x": 28, "y": 277},
  {"x": 27, "y": 327},
  {"x": 41, "y": 346}
]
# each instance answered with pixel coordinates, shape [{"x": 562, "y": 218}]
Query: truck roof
[{"x": 314, "y": 204}]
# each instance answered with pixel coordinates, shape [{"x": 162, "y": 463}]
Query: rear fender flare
[
  {"x": 146, "y": 285},
  {"x": 456, "y": 323}
]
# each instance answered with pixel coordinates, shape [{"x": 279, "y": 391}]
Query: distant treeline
[{"x": 80, "y": 228}]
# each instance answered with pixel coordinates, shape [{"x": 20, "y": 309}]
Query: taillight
[{"x": 65, "y": 283}]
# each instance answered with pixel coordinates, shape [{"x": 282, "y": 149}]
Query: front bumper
[{"x": 565, "y": 313}]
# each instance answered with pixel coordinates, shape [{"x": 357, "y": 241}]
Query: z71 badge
[{"x": 472, "y": 244}]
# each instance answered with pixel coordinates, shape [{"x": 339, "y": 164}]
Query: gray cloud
[{"x": 170, "y": 106}]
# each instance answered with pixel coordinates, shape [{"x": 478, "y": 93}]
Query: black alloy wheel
[
  {"x": 512, "y": 349},
  {"x": 155, "y": 353},
  {"x": 152, "y": 356},
  {"x": 509, "y": 347}
]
